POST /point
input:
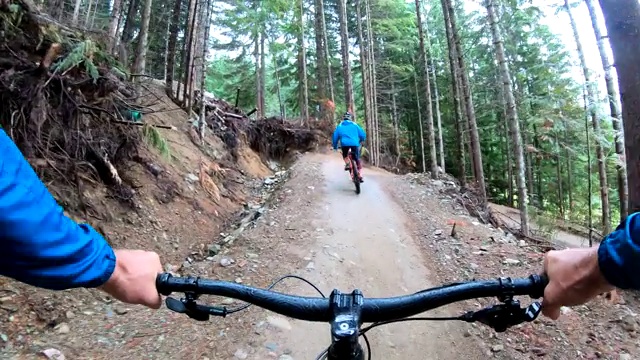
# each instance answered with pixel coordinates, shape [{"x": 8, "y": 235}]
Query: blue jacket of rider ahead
[
  {"x": 40, "y": 245},
  {"x": 349, "y": 134}
]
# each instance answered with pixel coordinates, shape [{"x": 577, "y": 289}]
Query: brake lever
[
  {"x": 500, "y": 317},
  {"x": 192, "y": 309}
]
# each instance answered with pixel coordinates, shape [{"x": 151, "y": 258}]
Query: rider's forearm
[
  {"x": 40, "y": 245},
  {"x": 619, "y": 254}
]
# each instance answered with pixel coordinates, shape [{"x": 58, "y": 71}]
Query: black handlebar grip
[
  {"x": 538, "y": 284},
  {"x": 162, "y": 284}
]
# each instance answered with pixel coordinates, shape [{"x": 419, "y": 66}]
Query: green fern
[
  {"x": 154, "y": 139},
  {"x": 81, "y": 53}
]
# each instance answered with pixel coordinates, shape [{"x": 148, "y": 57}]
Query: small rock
[
  {"x": 226, "y": 262},
  {"x": 497, "y": 348},
  {"x": 624, "y": 356},
  {"x": 509, "y": 261},
  {"x": 484, "y": 248},
  {"x": 474, "y": 266},
  {"x": 70, "y": 315},
  {"x": 522, "y": 243},
  {"x": 271, "y": 346},
  {"x": 63, "y": 328},
  {"x": 53, "y": 354},
  {"x": 438, "y": 232},
  {"x": 191, "y": 177},
  {"x": 629, "y": 324},
  {"x": 169, "y": 268},
  {"x": 279, "y": 322},
  {"x": 285, "y": 357},
  {"x": 241, "y": 354},
  {"x": 239, "y": 280},
  {"x": 186, "y": 264},
  {"x": 213, "y": 249},
  {"x": 538, "y": 351},
  {"x": 121, "y": 310},
  {"x": 311, "y": 266},
  {"x": 269, "y": 181},
  {"x": 4, "y": 337}
]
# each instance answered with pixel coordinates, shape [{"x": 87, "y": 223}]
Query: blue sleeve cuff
[{"x": 619, "y": 255}]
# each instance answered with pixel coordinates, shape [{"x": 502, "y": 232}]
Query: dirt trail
[{"x": 366, "y": 245}]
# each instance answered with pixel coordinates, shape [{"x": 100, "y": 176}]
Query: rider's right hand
[
  {"x": 134, "y": 279},
  {"x": 574, "y": 279}
]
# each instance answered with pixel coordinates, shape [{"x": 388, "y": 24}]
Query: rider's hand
[
  {"x": 134, "y": 279},
  {"x": 574, "y": 279}
]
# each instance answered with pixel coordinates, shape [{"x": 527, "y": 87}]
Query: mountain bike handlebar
[
  {"x": 347, "y": 312},
  {"x": 371, "y": 309}
]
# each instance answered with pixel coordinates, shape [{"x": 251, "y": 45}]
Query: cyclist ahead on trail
[{"x": 350, "y": 136}]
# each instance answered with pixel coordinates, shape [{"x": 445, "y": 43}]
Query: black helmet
[{"x": 347, "y": 116}]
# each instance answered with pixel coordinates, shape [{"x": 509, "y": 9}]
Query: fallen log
[{"x": 236, "y": 116}]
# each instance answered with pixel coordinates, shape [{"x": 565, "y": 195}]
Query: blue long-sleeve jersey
[
  {"x": 348, "y": 133},
  {"x": 619, "y": 254},
  {"x": 40, "y": 245}
]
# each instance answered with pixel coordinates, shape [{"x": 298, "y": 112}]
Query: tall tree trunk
[
  {"x": 129, "y": 21},
  {"x": 171, "y": 48},
  {"x": 427, "y": 91},
  {"x": 508, "y": 136},
  {"x": 346, "y": 65},
  {"x": 302, "y": 61},
  {"x": 373, "y": 85},
  {"x": 586, "y": 129},
  {"x": 186, "y": 52},
  {"x": 455, "y": 90},
  {"x": 366, "y": 89},
  {"x": 188, "y": 63},
  {"x": 206, "y": 26},
  {"x": 512, "y": 115},
  {"x": 438, "y": 118},
  {"x": 283, "y": 114},
  {"x": 141, "y": 51},
  {"x": 468, "y": 99},
  {"x": 321, "y": 61},
  {"x": 623, "y": 24},
  {"x": 569, "y": 167},
  {"x": 326, "y": 50},
  {"x": 76, "y": 12},
  {"x": 259, "y": 94},
  {"x": 263, "y": 73},
  {"x": 87, "y": 15},
  {"x": 422, "y": 153},
  {"x": 591, "y": 98},
  {"x": 614, "y": 106},
  {"x": 395, "y": 120},
  {"x": 559, "y": 177},
  {"x": 113, "y": 24}
]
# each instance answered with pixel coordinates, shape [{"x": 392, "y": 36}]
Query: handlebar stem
[{"x": 345, "y": 325}]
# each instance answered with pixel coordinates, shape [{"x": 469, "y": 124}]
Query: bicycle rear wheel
[{"x": 356, "y": 175}]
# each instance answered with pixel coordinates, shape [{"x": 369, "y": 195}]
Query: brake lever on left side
[
  {"x": 191, "y": 308},
  {"x": 500, "y": 317}
]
